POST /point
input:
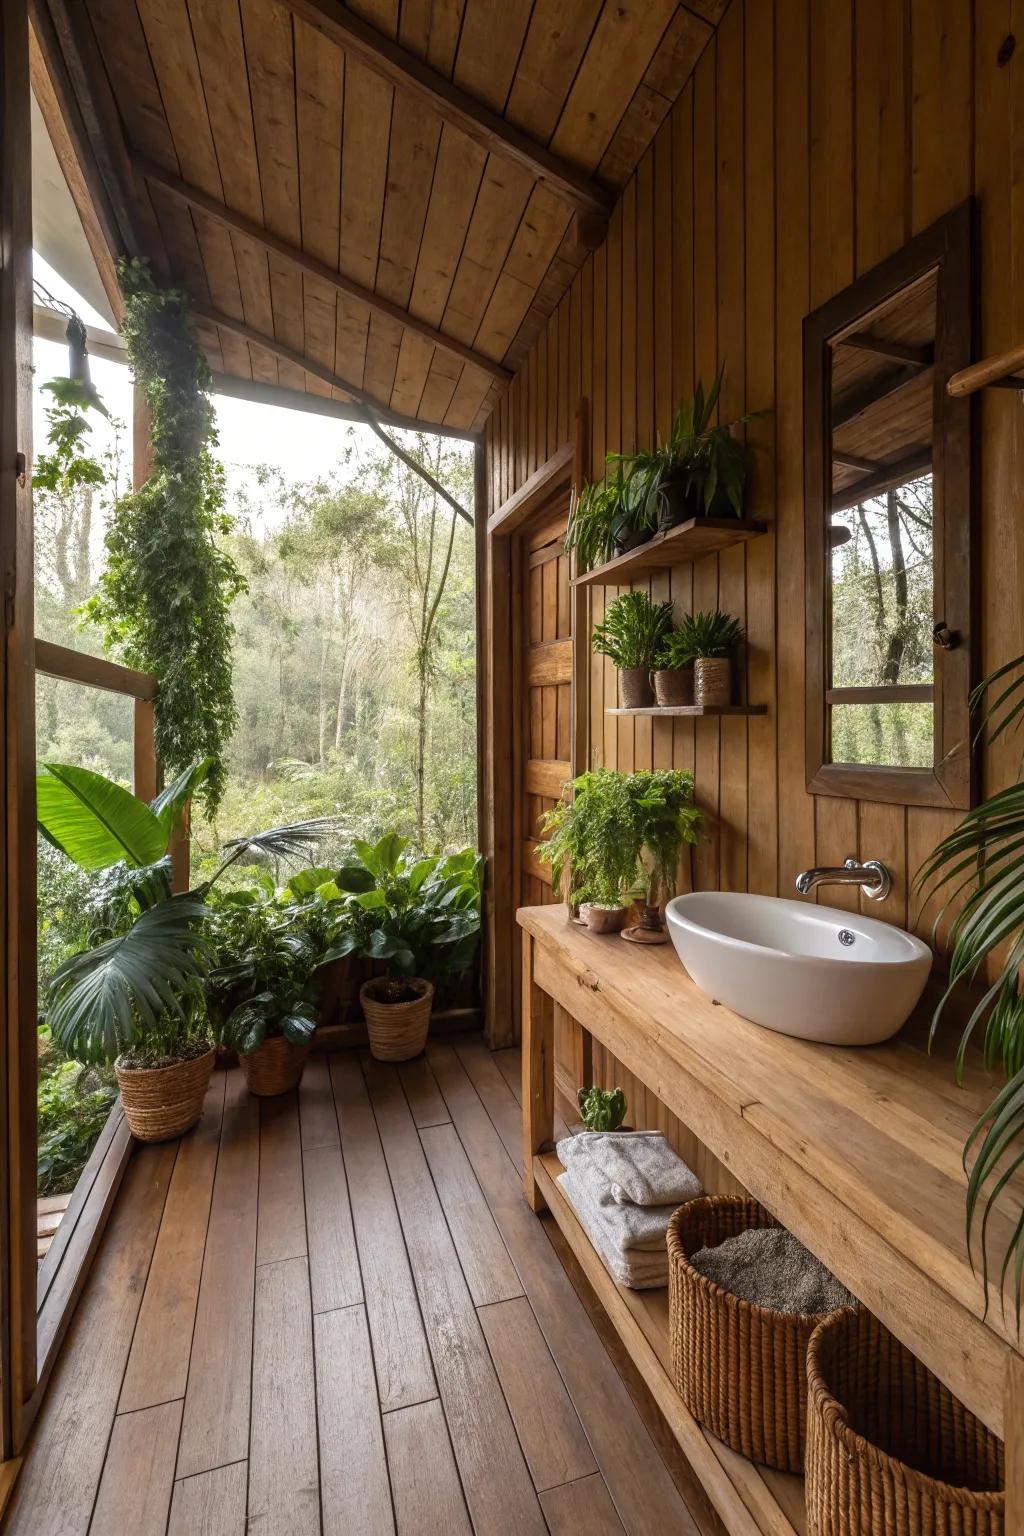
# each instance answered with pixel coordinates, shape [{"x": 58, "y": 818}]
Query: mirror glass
[{"x": 880, "y": 571}]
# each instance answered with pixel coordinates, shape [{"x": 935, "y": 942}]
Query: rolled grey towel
[{"x": 633, "y": 1167}]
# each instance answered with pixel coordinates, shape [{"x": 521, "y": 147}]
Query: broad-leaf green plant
[
  {"x": 978, "y": 871},
  {"x": 601, "y": 1109},
  {"x": 674, "y": 652},
  {"x": 632, "y": 630}
]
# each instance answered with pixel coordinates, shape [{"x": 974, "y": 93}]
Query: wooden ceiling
[{"x": 381, "y": 201}]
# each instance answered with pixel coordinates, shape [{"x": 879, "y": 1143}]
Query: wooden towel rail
[{"x": 1001, "y": 370}]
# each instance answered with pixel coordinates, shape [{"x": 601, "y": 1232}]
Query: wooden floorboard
[{"x": 333, "y": 1314}]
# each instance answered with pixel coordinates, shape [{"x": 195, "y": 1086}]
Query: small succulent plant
[{"x": 602, "y": 1109}]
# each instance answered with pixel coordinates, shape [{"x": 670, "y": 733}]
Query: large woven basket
[
  {"x": 397, "y": 1031},
  {"x": 890, "y": 1450},
  {"x": 274, "y": 1067},
  {"x": 739, "y": 1368},
  {"x": 163, "y": 1102}
]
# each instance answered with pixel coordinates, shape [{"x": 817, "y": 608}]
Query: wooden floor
[{"x": 334, "y": 1312}]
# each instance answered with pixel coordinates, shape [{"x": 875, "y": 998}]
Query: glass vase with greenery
[
  {"x": 620, "y": 835},
  {"x": 977, "y": 872},
  {"x": 630, "y": 634}
]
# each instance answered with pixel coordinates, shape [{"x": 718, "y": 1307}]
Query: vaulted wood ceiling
[{"x": 392, "y": 194}]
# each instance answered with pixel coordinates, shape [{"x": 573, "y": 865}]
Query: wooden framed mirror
[{"x": 889, "y": 528}]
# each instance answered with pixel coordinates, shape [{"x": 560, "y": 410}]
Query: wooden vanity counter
[{"x": 857, "y": 1151}]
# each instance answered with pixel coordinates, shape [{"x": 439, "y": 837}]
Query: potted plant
[
  {"x": 607, "y": 520},
  {"x": 700, "y": 471},
  {"x": 135, "y": 997},
  {"x": 673, "y": 670},
  {"x": 631, "y": 633},
  {"x": 621, "y": 833},
  {"x": 262, "y": 986},
  {"x": 710, "y": 639},
  {"x": 601, "y": 1109},
  {"x": 420, "y": 917}
]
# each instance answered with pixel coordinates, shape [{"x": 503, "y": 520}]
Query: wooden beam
[
  {"x": 93, "y": 671},
  {"x": 855, "y": 461},
  {"x": 885, "y": 693},
  {"x": 543, "y": 483},
  {"x": 48, "y": 325},
  {"x": 991, "y": 370},
  {"x": 310, "y": 266},
  {"x": 323, "y": 405},
  {"x": 876, "y": 390},
  {"x": 890, "y": 476},
  {"x": 485, "y": 127},
  {"x": 899, "y": 351},
  {"x": 56, "y": 102}
]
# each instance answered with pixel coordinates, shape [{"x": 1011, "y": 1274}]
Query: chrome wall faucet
[{"x": 872, "y": 877}]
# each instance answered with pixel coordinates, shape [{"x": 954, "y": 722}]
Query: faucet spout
[{"x": 872, "y": 877}]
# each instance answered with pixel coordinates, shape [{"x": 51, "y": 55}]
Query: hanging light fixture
[{"x": 78, "y": 352}]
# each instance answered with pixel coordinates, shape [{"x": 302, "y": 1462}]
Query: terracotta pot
[
  {"x": 397, "y": 1031},
  {"x": 604, "y": 919},
  {"x": 635, "y": 689},
  {"x": 712, "y": 680},
  {"x": 163, "y": 1102},
  {"x": 274, "y": 1067},
  {"x": 673, "y": 686}
]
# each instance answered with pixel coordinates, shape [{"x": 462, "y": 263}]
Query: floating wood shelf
[
  {"x": 751, "y": 1500},
  {"x": 699, "y": 536},
  {"x": 693, "y": 711}
]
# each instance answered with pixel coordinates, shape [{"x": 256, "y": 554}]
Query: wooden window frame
[{"x": 946, "y": 247}]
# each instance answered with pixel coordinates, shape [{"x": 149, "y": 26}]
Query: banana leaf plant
[
  {"x": 419, "y": 916},
  {"x": 139, "y": 979},
  {"x": 979, "y": 870}
]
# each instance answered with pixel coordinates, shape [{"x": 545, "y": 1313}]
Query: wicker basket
[
  {"x": 635, "y": 691},
  {"x": 890, "y": 1450},
  {"x": 397, "y": 1031},
  {"x": 739, "y": 1368},
  {"x": 163, "y": 1102},
  {"x": 712, "y": 680},
  {"x": 274, "y": 1067},
  {"x": 673, "y": 686}
]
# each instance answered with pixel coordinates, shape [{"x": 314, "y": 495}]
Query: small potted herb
[
  {"x": 420, "y": 917},
  {"x": 631, "y": 634},
  {"x": 673, "y": 670},
  {"x": 601, "y": 1109},
  {"x": 711, "y": 638}
]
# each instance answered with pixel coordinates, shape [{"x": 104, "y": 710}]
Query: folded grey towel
[
  {"x": 634, "y": 1167},
  {"x": 638, "y": 1269}
]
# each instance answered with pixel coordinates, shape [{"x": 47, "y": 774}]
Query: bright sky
[{"x": 302, "y": 446}]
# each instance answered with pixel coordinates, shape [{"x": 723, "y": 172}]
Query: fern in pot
[
  {"x": 711, "y": 638},
  {"x": 630, "y": 635},
  {"x": 673, "y": 670}
]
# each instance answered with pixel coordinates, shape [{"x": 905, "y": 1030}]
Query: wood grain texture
[
  {"x": 210, "y": 1503},
  {"x": 581, "y": 1506},
  {"x": 284, "y": 1493},
  {"x": 281, "y": 1230},
  {"x": 138, "y": 1474},
  {"x": 424, "y": 1478},
  {"x": 334, "y": 1277},
  {"x": 353, "y": 1469}
]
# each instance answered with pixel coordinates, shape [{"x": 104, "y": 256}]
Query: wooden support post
[
  {"x": 538, "y": 1075},
  {"x": 144, "y": 775},
  {"x": 1013, "y": 1442}
]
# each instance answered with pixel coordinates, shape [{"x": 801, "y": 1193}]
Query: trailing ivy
[{"x": 165, "y": 595}]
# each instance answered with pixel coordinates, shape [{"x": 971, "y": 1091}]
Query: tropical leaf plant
[
  {"x": 98, "y": 823},
  {"x": 632, "y": 630},
  {"x": 977, "y": 873},
  {"x": 709, "y": 634}
]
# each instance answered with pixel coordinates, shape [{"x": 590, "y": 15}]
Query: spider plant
[
  {"x": 606, "y": 519},
  {"x": 980, "y": 864},
  {"x": 632, "y": 630},
  {"x": 709, "y": 634},
  {"x": 138, "y": 981}
]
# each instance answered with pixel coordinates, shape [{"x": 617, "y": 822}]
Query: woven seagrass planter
[
  {"x": 635, "y": 691},
  {"x": 890, "y": 1450},
  {"x": 274, "y": 1067},
  {"x": 163, "y": 1102},
  {"x": 397, "y": 1031},
  {"x": 739, "y": 1368},
  {"x": 712, "y": 680}
]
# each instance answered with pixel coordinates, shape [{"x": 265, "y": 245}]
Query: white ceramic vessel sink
[{"x": 815, "y": 972}]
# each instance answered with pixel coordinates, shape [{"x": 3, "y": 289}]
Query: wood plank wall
[{"x": 814, "y": 138}]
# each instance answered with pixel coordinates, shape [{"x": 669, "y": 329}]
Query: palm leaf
[
  {"x": 171, "y": 801},
  {"x": 297, "y": 841},
  {"x": 103, "y": 999},
  {"x": 94, "y": 821}
]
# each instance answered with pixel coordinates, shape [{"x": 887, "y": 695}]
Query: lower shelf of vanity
[{"x": 751, "y": 1500}]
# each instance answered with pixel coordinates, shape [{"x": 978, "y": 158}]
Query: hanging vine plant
[{"x": 165, "y": 596}]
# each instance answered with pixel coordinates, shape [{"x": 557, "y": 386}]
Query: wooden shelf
[
  {"x": 694, "y": 711},
  {"x": 699, "y": 536},
  {"x": 751, "y": 1500}
]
